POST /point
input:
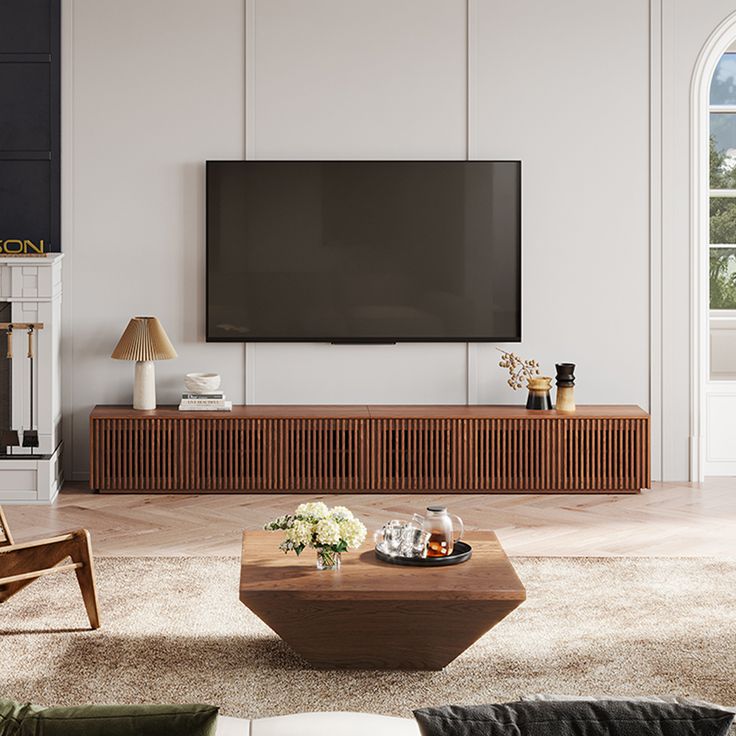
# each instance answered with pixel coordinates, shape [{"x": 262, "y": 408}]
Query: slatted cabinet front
[{"x": 167, "y": 452}]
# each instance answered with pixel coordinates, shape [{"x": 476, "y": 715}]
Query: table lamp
[{"x": 144, "y": 341}]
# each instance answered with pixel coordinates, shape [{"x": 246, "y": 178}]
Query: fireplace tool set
[{"x": 11, "y": 437}]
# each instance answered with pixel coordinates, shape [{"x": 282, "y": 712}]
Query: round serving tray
[{"x": 461, "y": 552}]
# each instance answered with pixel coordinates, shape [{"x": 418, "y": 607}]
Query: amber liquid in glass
[{"x": 438, "y": 546}]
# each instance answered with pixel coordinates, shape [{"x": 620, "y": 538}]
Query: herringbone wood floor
[{"x": 669, "y": 520}]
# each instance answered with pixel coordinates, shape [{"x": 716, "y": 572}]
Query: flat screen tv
[{"x": 363, "y": 251}]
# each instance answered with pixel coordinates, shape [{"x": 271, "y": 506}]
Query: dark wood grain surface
[
  {"x": 488, "y": 575},
  {"x": 375, "y": 615}
]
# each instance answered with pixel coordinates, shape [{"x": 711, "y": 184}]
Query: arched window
[
  {"x": 713, "y": 256},
  {"x": 722, "y": 220},
  {"x": 718, "y": 233}
]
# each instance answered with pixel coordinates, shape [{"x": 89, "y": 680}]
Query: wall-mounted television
[{"x": 363, "y": 251}]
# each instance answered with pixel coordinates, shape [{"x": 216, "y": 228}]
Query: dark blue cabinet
[{"x": 30, "y": 108}]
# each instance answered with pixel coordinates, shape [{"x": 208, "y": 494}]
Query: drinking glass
[
  {"x": 414, "y": 541},
  {"x": 390, "y": 537}
]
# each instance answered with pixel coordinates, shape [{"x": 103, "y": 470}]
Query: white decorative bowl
[{"x": 202, "y": 383}]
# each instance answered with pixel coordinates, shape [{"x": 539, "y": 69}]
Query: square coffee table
[{"x": 374, "y": 615}]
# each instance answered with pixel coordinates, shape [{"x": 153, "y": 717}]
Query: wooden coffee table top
[{"x": 487, "y": 576}]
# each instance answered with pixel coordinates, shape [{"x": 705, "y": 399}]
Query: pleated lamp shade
[{"x": 144, "y": 339}]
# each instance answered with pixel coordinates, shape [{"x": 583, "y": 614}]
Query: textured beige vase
[{"x": 565, "y": 398}]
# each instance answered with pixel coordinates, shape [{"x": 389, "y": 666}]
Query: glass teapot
[{"x": 444, "y": 530}]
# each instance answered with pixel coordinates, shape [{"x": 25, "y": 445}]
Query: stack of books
[{"x": 214, "y": 401}]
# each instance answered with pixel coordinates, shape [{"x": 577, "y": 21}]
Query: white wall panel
[
  {"x": 374, "y": 79},
  {"x": 155, "y": 88},
  {"x": 348, "y": 374},
  {"x": 687, "y": 25},
  {"x": 564, "y": 87},
  {"x": 720, "y": 430},
  {"x": 364, "y": 79}
]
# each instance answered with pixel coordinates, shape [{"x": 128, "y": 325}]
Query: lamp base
[{"x": 144, "y": 389}]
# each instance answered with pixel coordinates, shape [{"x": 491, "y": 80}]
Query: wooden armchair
[{"x": 21, "y": 564}]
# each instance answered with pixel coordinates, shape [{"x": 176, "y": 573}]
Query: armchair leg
[{"x": 82, "y": 552}]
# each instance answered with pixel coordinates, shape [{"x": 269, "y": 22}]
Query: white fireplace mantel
[{"x": 32, "y": 285}]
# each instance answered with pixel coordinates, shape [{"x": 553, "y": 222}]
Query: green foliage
[
  {"x": 722, "y": 232},
  {"x": 281, "y": 522},
  {"x": 723, "y": 220},
  {"x": 721, "y": 175},
  {"x": 723, "y": 278}
]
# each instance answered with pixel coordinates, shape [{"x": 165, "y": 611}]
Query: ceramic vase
[
  {"x": 144, "y": 388},
  {"x": 539, "y": 388},
  {"x": 565, "y": 381}
]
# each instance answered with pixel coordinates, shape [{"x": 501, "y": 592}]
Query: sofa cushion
[
  {"x": 575, "y": 718},
  {"x": 637, "y": 698},
  {"x": 18, "y": 719},
  {"x": 230, "y": 726},
  {"x": 11, "y": 716},
  {"x": 334, "y": 724}
]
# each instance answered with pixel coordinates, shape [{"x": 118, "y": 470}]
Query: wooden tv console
[{"x": 411, "y": 449}]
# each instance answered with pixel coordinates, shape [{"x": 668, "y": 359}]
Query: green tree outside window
[{"x": 722, "y": 232}]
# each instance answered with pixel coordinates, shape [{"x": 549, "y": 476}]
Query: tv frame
[{"x": 337, "y": 340}]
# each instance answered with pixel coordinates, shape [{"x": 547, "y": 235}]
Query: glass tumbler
[{"x": 390, "y": 537}]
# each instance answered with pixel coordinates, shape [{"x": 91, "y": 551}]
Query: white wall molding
[
  {"x": 250, "y": 79},
  {"x": 249, "y": 356},
  {"x": 471, "y": 152},
  {"x": 67, "y": 236},
  {"x": 655, "y": 234},
  {"x": 250, "y": 373},
  {"x": 472, "y": 373},
  {"x": 471, "y": 78}
]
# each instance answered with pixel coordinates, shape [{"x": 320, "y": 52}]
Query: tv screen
[{"x": 363, "y": 251}]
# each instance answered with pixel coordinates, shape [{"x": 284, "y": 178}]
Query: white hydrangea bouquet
[{"x": 331, "y": 531}]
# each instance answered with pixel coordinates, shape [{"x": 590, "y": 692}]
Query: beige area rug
[{"x": 174, "y": 631}]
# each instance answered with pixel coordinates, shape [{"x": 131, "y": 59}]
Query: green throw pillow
[
  {"x": 107, "y": 720},
  {"x": 11, "y": 716}
]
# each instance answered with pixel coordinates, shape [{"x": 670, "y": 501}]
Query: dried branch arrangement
[{"x": 520, "y": 370}]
